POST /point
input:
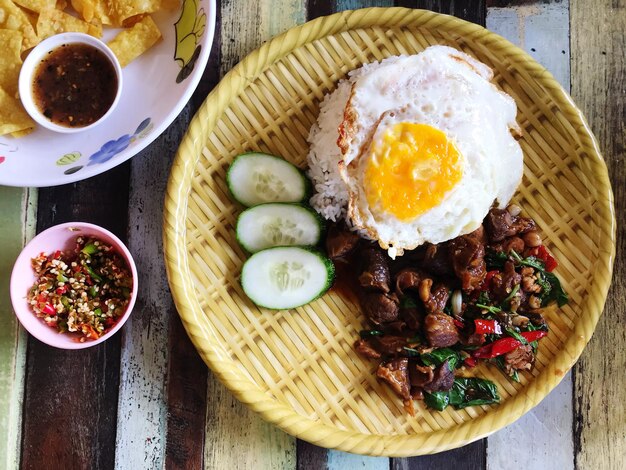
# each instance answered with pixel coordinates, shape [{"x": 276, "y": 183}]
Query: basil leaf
[
  {"x": 495, "y": 259},
  {"x": 437, "y": 400},
  {"x": 556, "y": 292},
  {"x": 464, "y": 392},
  {"x": 472, "y": 392},
  {"x": 546, "y": 288},
  {"x": 533, "y": 263},
  {"x": 511, "y": 295},
  {"x": 516, "y": 335},
  {"x": 489, "y": 308},
  {"x": 551, "y": 286},
  {"x": 483, "y": 298},
  {"x": 369, "y": 333},
  {"x": 439, "y": 356}
]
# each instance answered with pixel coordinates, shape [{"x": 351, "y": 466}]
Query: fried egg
[{"x": 427, "y": 148}]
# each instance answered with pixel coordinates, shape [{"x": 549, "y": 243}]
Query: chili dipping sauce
[{"x": 74, "y": 85}]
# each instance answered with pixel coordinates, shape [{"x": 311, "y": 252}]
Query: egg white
[{"x": 452, "y": 92}]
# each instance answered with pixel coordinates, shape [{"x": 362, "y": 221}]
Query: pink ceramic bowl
[{"x": 61, "y": 237}]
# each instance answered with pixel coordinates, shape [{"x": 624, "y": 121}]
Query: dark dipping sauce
[{"x": 74, "y": 85}]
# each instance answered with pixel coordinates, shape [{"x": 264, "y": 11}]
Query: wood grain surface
[
  {"x": 70, "y": 402},
  {"x": 599, "y": 87},
  {"x": 17, "y": 226},
  {"x": 144, "y": 399}
]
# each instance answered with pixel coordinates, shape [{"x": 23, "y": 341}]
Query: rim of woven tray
[{"x": 174, "y": 237}]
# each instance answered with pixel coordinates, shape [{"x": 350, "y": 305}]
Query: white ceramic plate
[{"x": 157, "y": 86}]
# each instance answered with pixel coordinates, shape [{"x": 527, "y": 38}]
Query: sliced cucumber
[
  {"x": 278, "y": 224},
  {"x": 257, "y": 178},
  {"x": 286, "y": 277}
]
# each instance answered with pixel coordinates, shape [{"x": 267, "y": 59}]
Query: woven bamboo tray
[{"x": 297, "y": 368}]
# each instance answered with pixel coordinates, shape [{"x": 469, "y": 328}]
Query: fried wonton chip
[
  {"x": 124, "y": 9},
  {"x": 131, "y": 43},
  {"x": 10, "y": 60},
  {"x": 13, "y": 117},
  {"x": 170, "y": 5},
  {"x": 12, "y": 17},
  {"x": 53, "y": 21},
  {"x": 22, "y": 133},
  {"x": 91, "y": 10},
  {"x": 36, "y": 5}
]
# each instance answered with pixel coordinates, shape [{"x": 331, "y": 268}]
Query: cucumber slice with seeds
[
  {"x": 278, "y": 224},
  {"x": 257, "y": 178},
  {"x": 286, "y": 277}
]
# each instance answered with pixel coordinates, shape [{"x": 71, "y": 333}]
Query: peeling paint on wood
[
  {"x": 142, "y": 405},
  {"x": 599, "y": 88},
  {"x": 18, "y": 220}
]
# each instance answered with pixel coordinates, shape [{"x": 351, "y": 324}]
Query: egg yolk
[{"x": 411, "y": 169}]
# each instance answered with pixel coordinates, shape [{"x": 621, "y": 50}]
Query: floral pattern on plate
[{"x": 109, "y": 150}]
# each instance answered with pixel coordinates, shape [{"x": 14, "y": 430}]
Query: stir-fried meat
[
  {"x": 420, "y": 375},
  {"x": 340, "y": 241},
  {"x": 520, "y": 321},
  {"x": 375, "y": 270},
  {"x": 396, "y": 374},
  {"x": 467, "y": 254},
  {"x": 404, "y": 301},
  {"x": 389, "y": 345},
  {"x": 380, "y": 308},
  {"x": 513, "y": 243},
  {"x": 503, "y": 283},
  {"x": 407, "y": 279},
  {"x": 473, "y": 339},
  {"x": 365, "y": 349},
  {"x": 536, "y": 318},
  {"x": 435, "y": 259},
  {"x": 501, "y": 224},
  {"x": 412, "y": 316},
  {"x": 521, "y": 358},
  {"x": 435, "y": 299},
  {"x": 440, "y": 330},
  {"x": 396, "y": 327},
  {"x": 443, "y": 379}
]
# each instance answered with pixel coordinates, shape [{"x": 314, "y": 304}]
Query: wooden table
[{"x": 144, "y": 399}]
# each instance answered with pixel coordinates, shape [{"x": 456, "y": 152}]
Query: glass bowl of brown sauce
[{"x": 70, "y": 82}]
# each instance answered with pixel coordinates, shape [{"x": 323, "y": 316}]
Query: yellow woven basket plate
[{"x": 297, "y": 368}]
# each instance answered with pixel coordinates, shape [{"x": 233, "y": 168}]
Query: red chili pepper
[
  {"x": 61, "y": 290},
  {"x": 484, "y": 327},
  {"x": 531, "y": 336},
  {"x": 488, "y": 277},
  {"x": 470, "y": 362},
  {"x": 459, "y": 324},
  {"x": 88, "y": 331},
  {"x": 57, "y": 254},
  {"x": 505, "y": 345},
  {"x": 49, "y": 310},
  {"x": 544, "y": 255}
]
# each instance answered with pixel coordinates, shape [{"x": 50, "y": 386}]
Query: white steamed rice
[{"x": 331, "y": 194}]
